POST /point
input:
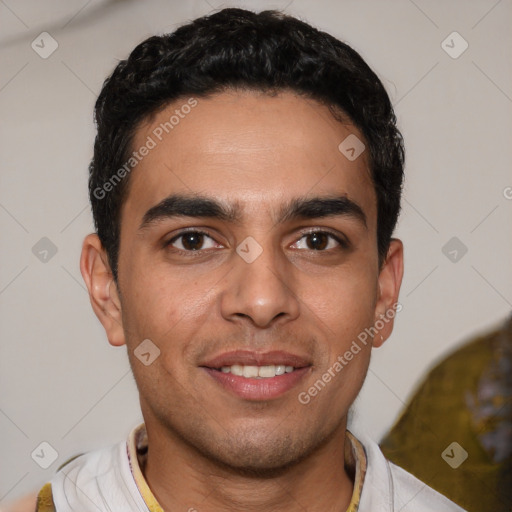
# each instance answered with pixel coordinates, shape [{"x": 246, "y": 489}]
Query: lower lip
[{"x": 259, "y": 389}]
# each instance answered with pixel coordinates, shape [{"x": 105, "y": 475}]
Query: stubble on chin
[{"x": 251, "y": 453}]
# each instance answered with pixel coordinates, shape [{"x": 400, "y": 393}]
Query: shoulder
[
  {"x": 413, "y": 495},
  {"x": 389, "y": 488},
  {"x": 77, "y": 471},
  {"x": 97, "y": 481},
  {"x": 43, "y": 500}
]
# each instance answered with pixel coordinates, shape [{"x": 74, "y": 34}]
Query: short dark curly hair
[{"x": 239, "y": 49}]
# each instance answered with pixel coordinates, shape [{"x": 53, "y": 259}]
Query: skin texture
[{"x": 209, "y": 448}]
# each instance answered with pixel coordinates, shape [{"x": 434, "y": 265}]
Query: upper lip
[{"x": 250, "y": 358}]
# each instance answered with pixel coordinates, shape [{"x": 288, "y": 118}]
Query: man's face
[{"x": 260, "y": 289}]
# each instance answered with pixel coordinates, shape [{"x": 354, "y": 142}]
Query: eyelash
[{"x": 344, "y": 244}]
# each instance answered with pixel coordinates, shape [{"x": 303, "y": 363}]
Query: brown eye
[
  {"x": 319, "y": 241},
  {"x": 191, "y": 241}
]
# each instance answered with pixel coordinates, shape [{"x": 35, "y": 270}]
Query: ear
[
  {"x": 103, "y": 291},
  {"x": 389, "y": 282}
]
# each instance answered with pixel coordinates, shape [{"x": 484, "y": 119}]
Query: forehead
[{"x": 250, "y": 149}]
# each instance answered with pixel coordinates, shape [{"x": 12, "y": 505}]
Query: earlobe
[
  {"x": 102, "y": 288},
  {"x": 389, "y": 282}
]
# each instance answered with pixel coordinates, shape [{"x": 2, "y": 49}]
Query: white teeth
[
  {"x": 257, "y": 372},
  {"x": 250, "y": 371},
  {"x": 237, "y": 369},
  {"x": 280, "y": 369},
  {"x": 267, "y": 371}
]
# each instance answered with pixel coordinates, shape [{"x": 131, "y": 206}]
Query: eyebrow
[{"x": 180, "y": 205}]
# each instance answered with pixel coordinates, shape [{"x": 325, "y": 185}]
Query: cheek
[
  {"x": 344, "y": 305},
  {"x": 160, "y": 297},
  {"x": 170, "y": 309}
]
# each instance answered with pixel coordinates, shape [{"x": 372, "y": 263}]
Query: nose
[{"x": 260, "y": 291}]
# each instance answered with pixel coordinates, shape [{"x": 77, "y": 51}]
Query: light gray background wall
[{"x": 61, "y": 382}]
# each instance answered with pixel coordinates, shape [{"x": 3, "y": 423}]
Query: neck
[{"x": 191, "y": 482}]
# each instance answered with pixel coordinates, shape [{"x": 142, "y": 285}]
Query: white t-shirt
[{"x": 111, "y": 480}]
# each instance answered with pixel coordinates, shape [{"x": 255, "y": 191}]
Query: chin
[
  {"x": 256, "y": 463},
  {"x": 259, "y": 449},
  {"x": 261, "y": 456}
]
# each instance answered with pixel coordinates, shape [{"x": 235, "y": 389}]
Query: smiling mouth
[
  {"x": 257, "y": 372},
  {"x": 258, "y": 377}
]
